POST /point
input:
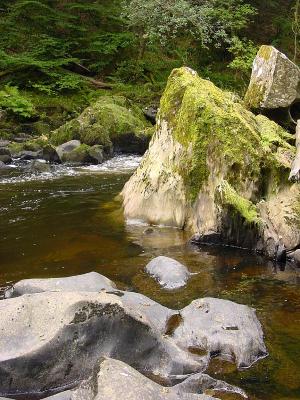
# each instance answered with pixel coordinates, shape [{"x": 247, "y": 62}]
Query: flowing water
[{"x": 69, "y": 222}]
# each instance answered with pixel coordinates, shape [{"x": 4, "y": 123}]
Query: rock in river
[
  {"x": 216, "y": 170},
  {"x": 224, "y": 329},
  {"x": 54, "y": 340},
  {"x": 66, "y": 148},
  {"x": 90, "y": 282},
  {"x": 169, "y": 273}
]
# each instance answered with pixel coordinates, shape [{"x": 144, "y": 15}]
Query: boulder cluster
[{"x": 81, "y": 337}]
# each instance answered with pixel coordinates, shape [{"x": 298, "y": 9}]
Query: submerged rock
[
  {"x": 55, "y": 339},
  {"x": 169, "y": 273},
  {"x": 110, "y": 121},
  {"x": 274, "y": 81},
  {"x": 217, "y": 169},
  {"x": 90, "y": 282}
]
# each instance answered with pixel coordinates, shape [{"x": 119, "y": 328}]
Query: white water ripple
[{"x": 118, "y": 164}]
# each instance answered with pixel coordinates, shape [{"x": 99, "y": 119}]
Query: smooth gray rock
[
  {"x": 117, "y": 380},
  {"x": 90, "y": 282},
  {"x": 222, "y": 328},
  {"x": 56, "y": 338},
  {"x": 66, "y": 148},
  {"x": 51, "y": 340},
  {"x": 169, "y": 273},
  {"x": 274, "y": 80}
]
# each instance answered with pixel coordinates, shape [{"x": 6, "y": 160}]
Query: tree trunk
[
  {"x": 142, "y": 47},
  {"x": 296, "y": 28},
  {"x": 295, "y": 171}
]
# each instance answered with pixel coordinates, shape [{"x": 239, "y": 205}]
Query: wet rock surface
[
  {"x": 169, "y": 273},
  {"x": 56, "y": 332},
  {"x": 90, "y": 282}
]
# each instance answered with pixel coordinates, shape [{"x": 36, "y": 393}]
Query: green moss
[
  {"x": 265, "y": 52},
  {"x": 229, "y": 197},
  {"x": 15, "y": 148},
  {"x": 78, "y": 155},
  {"x": 104, "y": 120},
  {"x": 254, "y": 95},
  {"x": 219, "y": 135}
]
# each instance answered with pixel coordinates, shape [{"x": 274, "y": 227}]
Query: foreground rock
[
  {"x": 56, "y": 339},
  {"x": 117, "y": 380},
  {"x": 169, "y": 273},
  {"x": 90, "y": 282},
  {"x": 218, "y": 170},
  {"x": 224, "y": 329},
  {"x": 63, "y": 336},
  {"x": 274, "y": 81},
  {"x": 113, "y": 122}
]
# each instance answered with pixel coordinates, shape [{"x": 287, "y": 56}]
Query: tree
[{"x": 206, "y": 21}]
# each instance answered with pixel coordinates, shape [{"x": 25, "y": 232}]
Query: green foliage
[
  {"x": 205, "y": 21},
  {"x": 50, "y": 39},
  {"x": 244, "y": 52},
  {"x": 13, "y": 101},
  {"x": 51, "y": 47}
]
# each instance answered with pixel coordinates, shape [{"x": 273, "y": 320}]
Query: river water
[{"x": 69, "y": 222}]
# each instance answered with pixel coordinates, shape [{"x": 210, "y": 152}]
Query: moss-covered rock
[
  {"x": 110, "y": 120},
  {"x": 274, "y": 80},
  {"x": 210, "y": 164}
]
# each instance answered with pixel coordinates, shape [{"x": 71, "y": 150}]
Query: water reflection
[{"x": 70, "y": 222}]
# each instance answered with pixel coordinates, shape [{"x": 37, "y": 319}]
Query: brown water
[{"x": 69, "y": 224}]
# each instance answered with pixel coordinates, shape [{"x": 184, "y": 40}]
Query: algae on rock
[
  {"x": 206, "y": 142},
  {"x": 104, "y": 122}
]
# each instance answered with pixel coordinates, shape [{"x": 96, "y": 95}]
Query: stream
[{"x": 69, "y": 222}]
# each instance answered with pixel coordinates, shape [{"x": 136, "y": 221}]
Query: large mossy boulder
[
  {"x": 110, "y": 121},
  {"x": 216, "y": 169}
]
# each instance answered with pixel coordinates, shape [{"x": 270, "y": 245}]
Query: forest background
[{"x": 56, "y": 57}]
